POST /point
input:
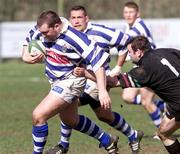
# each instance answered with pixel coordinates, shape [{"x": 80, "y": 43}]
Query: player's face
[
  {"x": 50, "y": 33},
  {"x": 135, "y": 56},
  {"x": 130, "y": 15},
  {"x": 78, "y": 19}
]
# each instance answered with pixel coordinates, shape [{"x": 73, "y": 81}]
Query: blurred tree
[{"x": 27, "y": 10}]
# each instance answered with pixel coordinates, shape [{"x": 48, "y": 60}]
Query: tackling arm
[
  {"x": 117, "y": 69},
  {"x": 82, "y": 72}
]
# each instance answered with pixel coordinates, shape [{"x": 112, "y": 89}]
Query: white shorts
[
  {"x": 68, "y": 89},
  {"x": 91, "y": 89}
]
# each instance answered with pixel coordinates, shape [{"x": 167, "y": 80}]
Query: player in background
[
  {"x": 66, "y": 48},
  {"x": 164, "y": 80},
  {"x": 106, "y": 38},
  {"x": 144, "y": 96}
]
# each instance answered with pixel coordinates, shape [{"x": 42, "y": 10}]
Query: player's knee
[
  {"x": 161, "y": 135},
  {"x": 162, "y": 132},
  {"x": 146, "y": 104},
  {"x": 127, "y": 98},
  {"x": 105, "y": 119},
  {"x": 37, "y": 118}
]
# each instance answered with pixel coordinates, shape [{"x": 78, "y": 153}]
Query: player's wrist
[
  {"x": 118, "y": 68},
  {"x": 115, "y": 71}
]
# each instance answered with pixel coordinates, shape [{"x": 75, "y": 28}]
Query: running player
[{"x": 66, "y": 48}]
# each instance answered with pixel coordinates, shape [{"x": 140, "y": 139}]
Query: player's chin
[{"x": 79, "y": 28}]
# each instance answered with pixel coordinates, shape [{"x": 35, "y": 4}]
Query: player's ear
[
  {"x": 139, "y": 52},
  {"x": 138, "y": 14},
  {"x": 87, "y": 18},
  {"x": 57, "y": 26}
]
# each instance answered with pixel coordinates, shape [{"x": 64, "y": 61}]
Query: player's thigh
[
  {"x": 129, "y": 94},
  {"x": 48, "y": 107},
  {"x": 61, "y": 95},
  {"x": 168, "y": 126}
]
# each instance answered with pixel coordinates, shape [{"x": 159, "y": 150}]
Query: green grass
[{"x": 22, "y": 86}]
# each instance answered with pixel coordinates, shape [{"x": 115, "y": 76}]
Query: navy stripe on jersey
[
  {"x": 99, "y": 33},
  {"x": 71, "y": 41},
  {"x": 98, "y": 56},
  {"x": 81, "y": 35},
  {"x": 91, "y": 54},
  {"x": 104, "y": 46},
  {"x": 146, "y": 29},
  {"x": 136, "y": 30},
  {"x": 148, "y": 33},
  {"x": 104, "y": 27}
]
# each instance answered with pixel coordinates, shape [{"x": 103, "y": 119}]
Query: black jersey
[{"x": 159, "y": 70}]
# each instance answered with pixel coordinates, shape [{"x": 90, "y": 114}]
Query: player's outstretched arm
[{"x": 117, "y": 69}]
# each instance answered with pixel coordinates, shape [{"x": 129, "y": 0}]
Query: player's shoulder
[
  {"x": 101, "y": 27},
  {"x": 168, "y": 51},
  {"x": 139, "y": 23}
]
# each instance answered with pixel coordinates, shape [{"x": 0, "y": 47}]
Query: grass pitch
[{"x": 22, "y": 86}]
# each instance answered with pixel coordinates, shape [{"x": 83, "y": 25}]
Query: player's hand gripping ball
[{"x": 36, "y": 47}]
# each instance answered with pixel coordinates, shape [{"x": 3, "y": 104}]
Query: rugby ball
[{"x": 36, "y": 46}]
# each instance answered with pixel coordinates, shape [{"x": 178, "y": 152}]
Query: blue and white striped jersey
[
  {"x": 140, "y": 29},
  {"x": 68, "y": 51},
  {"x": 106, "y": 37}
]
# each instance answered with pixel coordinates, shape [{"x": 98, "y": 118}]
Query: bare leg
[{"x": 165, "y": 131}]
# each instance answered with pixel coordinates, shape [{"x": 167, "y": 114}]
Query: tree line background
[{"x": 28, "y": 10}]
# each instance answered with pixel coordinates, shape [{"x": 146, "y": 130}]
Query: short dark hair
[
  {"x": 77, "y": 8},
  {"x": 141, "y": 43},
  {"x": 132, "y": 4},
  {"x": 50, "y": 17}
]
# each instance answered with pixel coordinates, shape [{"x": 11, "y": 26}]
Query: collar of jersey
[
  {"x": 65, "y": 24},
  {"x": 136, "y": 21},
  {"x": 89, "y": 26}
]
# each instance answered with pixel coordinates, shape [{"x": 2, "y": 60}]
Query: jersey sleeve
[
  {"x": 33, "y": 34},
  {"x": 136, "y": 78}
]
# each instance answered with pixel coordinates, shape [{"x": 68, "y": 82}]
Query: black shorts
[
  {"x": 172, "y": 113},
  {"x": 87, "y": 99}
]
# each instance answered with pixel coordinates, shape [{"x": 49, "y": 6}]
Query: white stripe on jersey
[
  {"x": 98, "y": 39},
  {"x": 102, "y": 29},
  {"x": 124, "y": 39}
]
